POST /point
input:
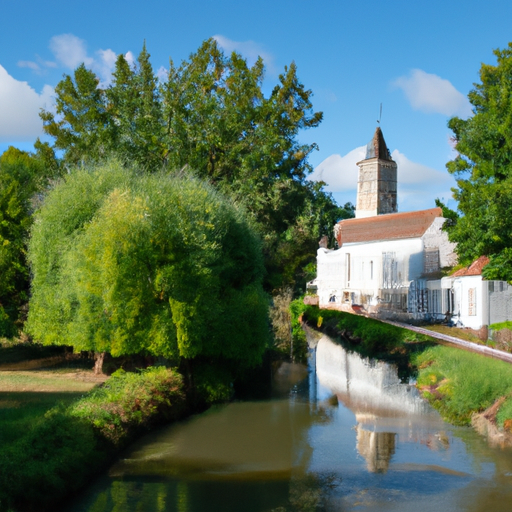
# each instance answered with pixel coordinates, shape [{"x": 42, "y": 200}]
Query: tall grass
[{"x": 460, "y": 383}]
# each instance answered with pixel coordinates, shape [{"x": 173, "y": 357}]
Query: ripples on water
[{"x": 344, "y": 434}]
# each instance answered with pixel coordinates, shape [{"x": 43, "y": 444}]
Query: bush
[
  {"x": 68, "y": 445},
  {"x": 128, "y": 402}
]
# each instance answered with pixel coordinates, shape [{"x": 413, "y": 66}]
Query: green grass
[
  {"x": 48, "y": 451},
  {"x": 460, "y": 383},
  {"x": 21, "y": 411}
]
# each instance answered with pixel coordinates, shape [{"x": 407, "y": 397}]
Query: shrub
[{"x": 129, "y": 401}]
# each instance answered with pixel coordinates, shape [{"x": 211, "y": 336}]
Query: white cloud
[
  {"x": 162, "y": 74},
  {"x": 418, "y": 184},
  {"x": 29, "y": 64},
  {"x": 130, "y": 58},
  {"x": 432, "y": 94},
  {"x": 104, "y": 66},
  {"x": 248, "y": 49},
  {"x": 339, "y": 172},
  {"x": 410, "y": 172},
  {"x": 70, "y": 51},
  {"x": 19, "y": 108}
]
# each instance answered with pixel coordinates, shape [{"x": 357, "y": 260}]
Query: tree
[
  {"x": 483, "y": 169},
  {"x": 80, "y": 129},
  {"x": 211, "y": 118},
  {"x": 22, "y": 177},
  {"x": 128, "y": 263}
]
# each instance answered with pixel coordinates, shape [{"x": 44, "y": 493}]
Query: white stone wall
[
  {"x": 500, "y": 301},
  {"x": 436, "y": 238}
]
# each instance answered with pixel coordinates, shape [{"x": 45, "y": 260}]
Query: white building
[{"x": 389, "y": 264}]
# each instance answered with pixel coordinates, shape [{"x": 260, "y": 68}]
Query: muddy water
[{"x": 343, "y": 435}]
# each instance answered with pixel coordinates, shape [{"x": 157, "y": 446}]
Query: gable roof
[
  {"x": 392, "y": 226},
  {"x": 475, "y": 269}
]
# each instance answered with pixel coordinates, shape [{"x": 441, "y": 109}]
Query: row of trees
[
  {"x": 163, "y": 212},
  {"x": 210, "y": 117}
]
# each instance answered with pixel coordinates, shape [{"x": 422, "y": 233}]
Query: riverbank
[
  {"x": 466, "y": 388},
  {"x": 58, "y": 428}
]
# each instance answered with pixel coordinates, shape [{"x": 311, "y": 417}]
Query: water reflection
[
  {"x": 345, "y": 435},
  {"x": 376, "y": 447},
  {"x": 384, "y": 407}
]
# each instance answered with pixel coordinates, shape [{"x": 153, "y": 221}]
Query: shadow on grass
[{"x": 22, "y": 411}]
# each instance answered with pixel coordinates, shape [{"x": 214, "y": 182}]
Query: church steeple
[{"x": 376, "y": 187}]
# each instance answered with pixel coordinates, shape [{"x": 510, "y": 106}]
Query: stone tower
[{"x": 376, "y": 187}]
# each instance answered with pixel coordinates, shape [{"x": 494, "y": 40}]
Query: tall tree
[
  {"x": 483, "y": 169},
  {"x": 22, "y": 177},
  {"x": 128, "y": 263},
  {"x": 210, "y": 117},
  {"x": 80, "y": 128}
]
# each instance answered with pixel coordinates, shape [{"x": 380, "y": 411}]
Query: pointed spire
[{"x": 377, "y": 148}]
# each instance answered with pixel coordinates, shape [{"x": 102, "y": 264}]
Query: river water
[{"x": 343, "y": 434}]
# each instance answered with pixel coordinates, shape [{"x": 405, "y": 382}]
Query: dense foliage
[
  {"x": 59, "y": 452},
  {"x": 22, "y": 177},
  {"x": 483, "y": 169},
  {"x": 127, "y": 263},
  {"x": 210, "y": 117},
  {"x": 373, "y": 337}
]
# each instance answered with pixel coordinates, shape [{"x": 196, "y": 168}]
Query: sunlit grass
[{"x": 464, "y": 383}]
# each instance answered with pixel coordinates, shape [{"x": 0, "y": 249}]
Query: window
[
  {"x": 389, "y": 270},
  {"x": 472, "y": 302},
  {"x": 371, "y": 270},
  {"x": 347, "y": 267},
  {"x": 432, "y": 261}
]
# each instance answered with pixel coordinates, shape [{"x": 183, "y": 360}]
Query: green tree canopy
[
  {"x": 131, "y": 263},
  {"x": 22, "y": 177},
  {"x": 209, "y": 116},
  {"x": 483, "y": 169}
]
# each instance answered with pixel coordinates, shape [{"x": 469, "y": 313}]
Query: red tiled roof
[
  {"x": 391, "y": 226},
  {"x": 475, "y": 269}
]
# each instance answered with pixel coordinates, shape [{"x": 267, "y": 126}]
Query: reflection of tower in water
[{"x": 377, "y": 448}]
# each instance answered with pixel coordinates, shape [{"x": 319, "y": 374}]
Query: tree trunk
[{"x": 98, "y": 362}]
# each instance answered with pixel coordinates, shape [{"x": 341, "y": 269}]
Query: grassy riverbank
[
  {"x": 457, "y": 383},
  {"x": 55, "y": 439},
  {"x": 460, "y": 384}
]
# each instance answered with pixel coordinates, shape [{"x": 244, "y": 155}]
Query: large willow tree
[
  {"x": 210, "y": 117},
  {"x": 126, "y": 263}
]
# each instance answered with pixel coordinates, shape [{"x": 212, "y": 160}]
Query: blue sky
[{"x": 419, "y": 59}]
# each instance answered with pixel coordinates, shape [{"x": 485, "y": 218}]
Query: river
[{"x": 343, "y": 434}]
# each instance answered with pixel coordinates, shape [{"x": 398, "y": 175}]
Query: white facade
[
  {"x": 389, "y": 264},
  {"x": 378, "y": 274}
]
